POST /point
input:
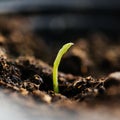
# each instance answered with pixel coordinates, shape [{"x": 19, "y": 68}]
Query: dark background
[{"x": 65, "y": 20}]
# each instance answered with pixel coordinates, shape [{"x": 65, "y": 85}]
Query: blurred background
[
  {"x": 40, "y": 27},
  {"x": 64, "y": 19}
]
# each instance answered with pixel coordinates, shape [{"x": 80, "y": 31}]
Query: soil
[{"x": 90, "y": 70}]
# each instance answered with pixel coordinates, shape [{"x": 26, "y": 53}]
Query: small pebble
[{"x": 112, "y": 80}]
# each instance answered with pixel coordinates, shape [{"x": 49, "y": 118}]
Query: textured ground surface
[{"x": 89, "y": 82}]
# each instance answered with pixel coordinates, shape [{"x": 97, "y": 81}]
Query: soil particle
[
  {"x": 112, "y": 80},
  {"x": 42, "y": 96}
]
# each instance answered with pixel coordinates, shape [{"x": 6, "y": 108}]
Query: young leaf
[{"x": 61, "y": 52}]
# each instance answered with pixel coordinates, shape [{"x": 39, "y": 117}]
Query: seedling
[{"x": 61, "y": 52}]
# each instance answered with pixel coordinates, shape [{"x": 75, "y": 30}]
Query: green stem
[{"x": 61, "y": 52}]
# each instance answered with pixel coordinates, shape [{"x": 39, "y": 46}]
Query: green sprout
[{"x": 61, "y": 52}]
